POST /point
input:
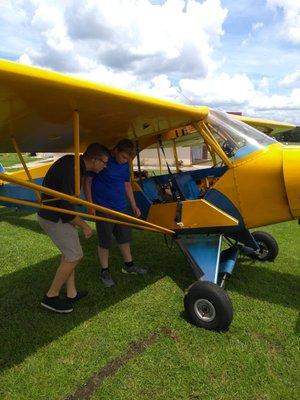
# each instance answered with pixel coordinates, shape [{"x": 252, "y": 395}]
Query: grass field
[
  {"x": 10, "y": 159},
  {"x": 133, "y": 341}
]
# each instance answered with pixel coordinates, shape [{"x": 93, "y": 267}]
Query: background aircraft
[{"x": 254, "y": 180}]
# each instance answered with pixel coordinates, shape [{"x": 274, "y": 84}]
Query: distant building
[{"x": 186, "y": 156}]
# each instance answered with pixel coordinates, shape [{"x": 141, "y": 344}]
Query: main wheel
[
  {"x": 208, "y": 306},
  {"x": 268, "y": 247}
]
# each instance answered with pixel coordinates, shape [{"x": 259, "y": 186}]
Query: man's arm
[
  {"x": 130, "y": 196},
  {"x": 87, "y": 188},
  {"x": 69, "y": 188},
  {"x": 86, "y": 229}
]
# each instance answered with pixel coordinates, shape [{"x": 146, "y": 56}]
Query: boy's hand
[
  {"x": 87, "y": 231},
  {"x": 136, "y": 211},
  {"x": 91, "y": 211}
]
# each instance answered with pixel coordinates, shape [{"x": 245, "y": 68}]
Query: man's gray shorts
[
  {"x": 64, "y": 236},
  {"x": 106, "y": 231}
]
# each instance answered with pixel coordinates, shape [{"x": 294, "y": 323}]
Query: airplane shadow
[
  {"x": 257, "y": 281},
  {"x": 18, "y": 221},
  {"x": 27, "y": 327}
]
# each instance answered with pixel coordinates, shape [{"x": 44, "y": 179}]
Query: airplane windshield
[{"x": 236, "y": 138}]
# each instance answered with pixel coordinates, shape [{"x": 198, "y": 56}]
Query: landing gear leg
[{"x": 206, "y": 303}]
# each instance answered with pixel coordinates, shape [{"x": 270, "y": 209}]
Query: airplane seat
[
  {"x": 151, "y": 191},
  {"x": 188, "y": 186}
]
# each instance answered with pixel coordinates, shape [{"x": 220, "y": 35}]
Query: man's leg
[
  {"x": 65, "y": 237},
  {"x": 63, "y": 273},
  {"x": 71, "y": 287}
]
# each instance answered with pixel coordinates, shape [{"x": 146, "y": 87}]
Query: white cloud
[
  {"x": 246, "y": 41},
  {"x": 254, "y": 28},
  {"x": 291, "y": 79},
  {"x": 290, "y": 28},
  {"x": 264, "y": 83},
  {"x": 238, "y": 93},
  {"x": 176, "y": 37},
  {"x": 221, "y": 89},
  {"x": 257, "y": 26}
]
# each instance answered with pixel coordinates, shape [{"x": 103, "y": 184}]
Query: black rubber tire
[
  {"x": 268, "y": 246},
  {"x": 202, "y": 291}
]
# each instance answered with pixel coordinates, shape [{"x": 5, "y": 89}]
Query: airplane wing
[
  {"x": 36, "y": 107},
  {"x": 266, "y": 125}
]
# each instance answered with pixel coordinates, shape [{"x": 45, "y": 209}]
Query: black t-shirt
[{"x": 60, "y": 177}]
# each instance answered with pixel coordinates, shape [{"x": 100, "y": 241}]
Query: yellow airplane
[{"x": 254, "y": 180}]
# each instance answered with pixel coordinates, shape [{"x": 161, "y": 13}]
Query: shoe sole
[
  {"x": 71, "y": 301},
  {"x": 56, "y": 310},
  {"x": 128, "y": 273},
  {"x": 109, "y": 285},
  {"x": 133, "y": 273}
]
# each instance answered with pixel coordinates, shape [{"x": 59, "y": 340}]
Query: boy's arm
[
  {"x": 87, "y": 188},
  {"x": 130, "y": 196}
]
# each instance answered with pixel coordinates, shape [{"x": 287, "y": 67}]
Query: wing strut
[
  {"x": 76, "y": 152},
  {"x": 175, "y": 155},
  {"x": 159, "y": 159},
  {"x": 21, "y": 158},
  {"x": 208, "y": 138},
  {"x": 138, "y": 163},
  {"x": 32, "y": 204},
  {"x": 75, "y": 200}
]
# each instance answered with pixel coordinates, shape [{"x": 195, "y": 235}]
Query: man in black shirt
[{"x": 62, "y": 228}]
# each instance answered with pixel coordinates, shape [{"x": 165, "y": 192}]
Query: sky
[{"x": 235, "y": 55}]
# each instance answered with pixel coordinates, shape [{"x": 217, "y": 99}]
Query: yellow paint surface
[
  {"x": 256, "y": 187},
  {"x": 195, "y": 214},
  {"x": 35, "y": 172},
  {"x": 266, "y": 125},
  {"x": 291, "y": 172}
]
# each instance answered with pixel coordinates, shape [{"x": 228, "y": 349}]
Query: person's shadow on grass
[{"x": 25, "y": 326}]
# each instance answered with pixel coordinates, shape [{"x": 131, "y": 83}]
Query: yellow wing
[
  {"x": 266, "y": 125},
  {"x": 36, "y": 106}
]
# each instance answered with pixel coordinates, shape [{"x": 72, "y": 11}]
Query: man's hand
[
  {"x": 87, "y": 231},
  {"x": 136, "y": 211}
]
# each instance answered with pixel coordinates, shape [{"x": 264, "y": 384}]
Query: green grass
[
  {"x": 48, "y": 356},
  {"x": 10, "y": 159}
]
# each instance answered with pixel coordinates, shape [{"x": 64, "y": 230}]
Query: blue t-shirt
[{"x": 108, "y": 186}]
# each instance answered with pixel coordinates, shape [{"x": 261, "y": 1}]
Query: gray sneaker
[
  {"x": 134, "y": 269},
  {"x": 106, "y": 278}
]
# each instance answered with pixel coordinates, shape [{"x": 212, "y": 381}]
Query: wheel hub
[
  {"x": 263, "y": 250},
  {"x": 204, "y": 310}
]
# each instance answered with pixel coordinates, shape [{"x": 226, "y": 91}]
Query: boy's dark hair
[
  {"x": 126, "y": 146},
  {"x": 96, "y": 150}
]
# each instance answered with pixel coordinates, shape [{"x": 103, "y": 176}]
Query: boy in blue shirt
[{"x": 112, "y": 188}]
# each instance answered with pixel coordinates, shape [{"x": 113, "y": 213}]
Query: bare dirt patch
[{"x": 111, "y": 368}]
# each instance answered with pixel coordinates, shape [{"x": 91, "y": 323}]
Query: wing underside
[{"x": 36, "y": 107}]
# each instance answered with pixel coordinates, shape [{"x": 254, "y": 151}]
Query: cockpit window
[{"x": 236, "y": 138}]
